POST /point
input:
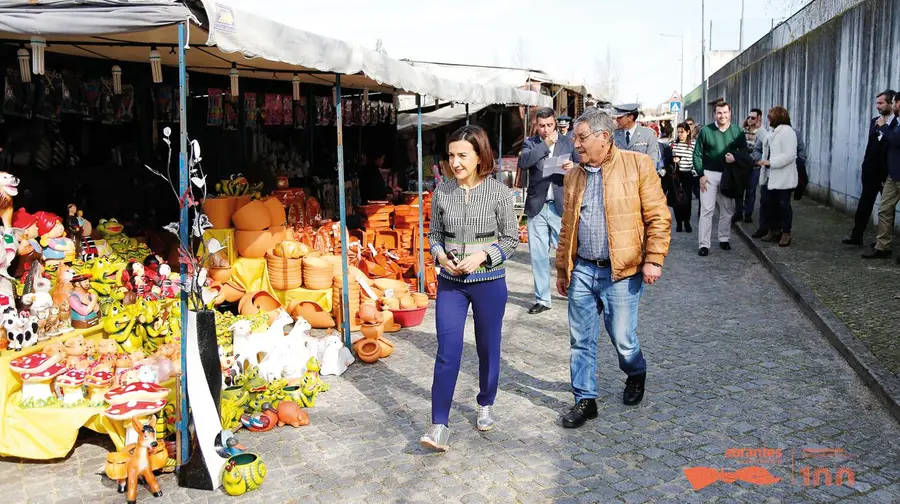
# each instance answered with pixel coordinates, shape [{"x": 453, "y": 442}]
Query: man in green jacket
[{"x": 714, "y": 156}]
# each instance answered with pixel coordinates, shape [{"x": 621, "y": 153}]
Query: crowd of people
[{"x": 599, "y": 188}]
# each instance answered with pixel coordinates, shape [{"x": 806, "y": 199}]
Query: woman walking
[
  {"x": 683, "y": 156},
  {"x": 473, "y": 232},
  {"x": 779, "y": 177}
]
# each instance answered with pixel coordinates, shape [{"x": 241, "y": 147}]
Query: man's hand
[
  {"x": 472, "y": 262},
  {"x": 568, "y": 165},
  {"x": 763, "y": 162},
  {"x": 552, "y": 138},
  {"x": 703, "y": 183},
  {"x": 652, "y": 273},
  {"x": 562, "y": 286},
  {"x": 729, "y": 158}
]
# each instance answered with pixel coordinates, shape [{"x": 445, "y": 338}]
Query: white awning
[
  {"x": 436, "y": 118},
  {"x": 233, "y": 30}
]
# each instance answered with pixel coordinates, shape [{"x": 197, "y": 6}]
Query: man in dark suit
[
  {"x": 544, "y": 201},
  {"x": 564, "y": 126},
  {"x": 874, "y": 169},
  {"x": 890, "y": 192}
]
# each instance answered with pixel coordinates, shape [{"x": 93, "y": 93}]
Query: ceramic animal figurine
[
  {"x": 139, "y": 463},
  {"x": 76, "y": 353},
  {"x": 336, "y": 358},
  {"x": 311, "y": 384},
  {"x": 289, "y": 413},
  {"x": 21, "y": 329},
  {"x": 228, "y": 446},
  {"x": 261, "y": 422},
  {"x": 7, "y": 255},
  {"x": 9, "y": 188}
]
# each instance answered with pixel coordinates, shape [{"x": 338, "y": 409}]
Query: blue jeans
[
  {"x": 750, "y": 195},
  {"x": 543, "y": 234},
  {"x": 591, "y": 290}
]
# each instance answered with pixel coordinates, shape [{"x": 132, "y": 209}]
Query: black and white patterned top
[{"x": 485, "y": 221}]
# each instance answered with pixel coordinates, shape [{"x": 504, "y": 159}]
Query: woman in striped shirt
[
  {"x": 472, "y": 233},
  {"x": 683, "y": 156}
]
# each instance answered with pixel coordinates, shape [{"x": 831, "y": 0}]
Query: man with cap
[
  {"x": 633, "y": 137},
  {"x": 544, "y": 198},
  {"x": 564, "y": 121}
]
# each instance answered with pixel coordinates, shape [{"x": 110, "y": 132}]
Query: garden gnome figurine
[{"x": 84, "y": 303}]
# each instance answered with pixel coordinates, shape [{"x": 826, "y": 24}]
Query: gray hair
[{"x": 596, "y": 119}]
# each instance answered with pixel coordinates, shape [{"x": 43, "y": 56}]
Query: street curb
[{"x": 882, "y": 382}]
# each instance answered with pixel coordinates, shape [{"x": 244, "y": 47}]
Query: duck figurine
[
  {"x": 261, "y": 422},
  {"x": 228, "y": 446}
]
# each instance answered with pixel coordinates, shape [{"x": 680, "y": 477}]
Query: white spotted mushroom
[
  {"x": 71, "y": 386},
  {"x": 98, "y": 385},
  {"x": 37, "y": 371},
  {"x": 136, "y": 400}
]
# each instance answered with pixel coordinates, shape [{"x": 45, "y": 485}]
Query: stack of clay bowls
[
  {"x": 336, "y": 263},
  {"x": 259, "y": 225},
  {"x": 353, "y": 294},
  {"x": 284, "y": 273},
  {"x": 318, "y": 273}
]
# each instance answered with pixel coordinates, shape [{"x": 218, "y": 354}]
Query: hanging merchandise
[
  {"x": 187, "y": 83},
  {"x": 299, "y": 114},
  {"x": 273, "y": 110},
  {"x": 347, "y": 111},
  {"x": 24, "y": 67},
  {"x": 17, "y": 96},
  {"x": 156, "y": 65},
  {"x": 233, "y": 74},
  {"x": 117, "y": 79},
  {"x": 48, "y": 96},
  {"x": 92, "y": 93},
  {"x": 214, "y": 109},
  {"x": 251, "y": 110},
  {"x": 73, "y": 94},
  {"x": 322, "y": 111},
  {"x": 230, "y": 112},
  {"x": 164, "y": 104}
]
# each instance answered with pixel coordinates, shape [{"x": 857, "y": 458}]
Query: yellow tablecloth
[
  {"x": 320, "y": 297},
  {"x": 225, "y": 237},
  {"x": 251, "y": 274}
]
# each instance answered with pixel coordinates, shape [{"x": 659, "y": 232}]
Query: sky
[{"x": 582, "y": 41}]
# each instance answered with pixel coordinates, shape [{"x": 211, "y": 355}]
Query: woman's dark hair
[
  {"x": 481, "y": 144},
  {"x": 684, "y": 126},
  {"x": 778, "y": 115}
]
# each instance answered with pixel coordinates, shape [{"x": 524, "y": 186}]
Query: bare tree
[
  {"x": 606, "y": 76},
  {"x": 520, "y": 56},
  {"x": 783, "y": 9}
]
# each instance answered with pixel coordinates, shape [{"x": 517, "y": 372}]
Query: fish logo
[{"x": 702, "y": 477}]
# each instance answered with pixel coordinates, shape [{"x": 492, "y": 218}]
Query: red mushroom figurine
[
  {"x": 70, "y": 386},
  {"x": 37, "y": 370},
  {"x": 98, "y": 385},
  {"x": 135, "y": 400}
]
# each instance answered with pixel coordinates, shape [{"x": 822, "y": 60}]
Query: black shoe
[
  {"x": 736, "y": 218},
  {"x": 634, "y": 389},
  {"x": 584, "y": 410},
  {"x": 724, "y": 245},
  {"x": 748, "y": 219},
  {"x": 703, "y": 252},
  {"x": 759, "y": 233},
  {"x": 538, "y": 308},
  {"x": 679, "y": 228},
  {"x": 877, "y": 254},
  {"x": 687, "y": 227},
  {"x": 852, "y": 241}
]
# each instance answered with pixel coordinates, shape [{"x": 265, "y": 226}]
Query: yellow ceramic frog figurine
[
  {"x": 311, "y": 384},
  {"x": 119, "y": 325}
]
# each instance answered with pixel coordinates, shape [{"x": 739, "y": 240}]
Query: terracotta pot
[
  {"x": 241, "y": 201},
  {"x": 372, "y": 331},
  {"x": 387, "y": 347},
  {"x": 279, "y": 233},
  {"x": 230, "y": 293},
  {"x": 368, "y": 350},
  {"x": 252, "y": 244},
  {"x": 367, "y": 313},
  {"x": 312, "y": 313},
  {"x": 421, "y": 299},
  {"x": 276, "y": 211},
  {"x": 220, "y": 210},
  {"x": 252, "y": 217},
  {"x": 219, "y": 274},
  {"x": 259, "y": 301}
]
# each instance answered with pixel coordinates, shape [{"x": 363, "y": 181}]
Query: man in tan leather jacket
[{"x": 614, "y": 238}]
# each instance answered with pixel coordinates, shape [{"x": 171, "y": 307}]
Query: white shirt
[
  {"x": 550, "y": 187},
  {"x": 629, "y": 133},
  {"x": 761, "y": 134}
]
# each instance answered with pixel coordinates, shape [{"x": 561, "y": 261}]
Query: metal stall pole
[
  {"x": 421, "y": 274},
  {"x": 183, "y": 229},
  {"x": 500, "y": 147},
  {"x": 467, "y": 114},
  {"x": 345, "y": 294}
]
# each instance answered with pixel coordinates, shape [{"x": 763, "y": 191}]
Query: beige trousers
[{"x": 890, "y": 195}]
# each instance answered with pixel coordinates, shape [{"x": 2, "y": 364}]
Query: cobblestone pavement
[
  {"x": 864, "y": 293},
  {"x": 733, "y": 364}
]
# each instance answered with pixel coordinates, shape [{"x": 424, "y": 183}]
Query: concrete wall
[{"x": 825, "y": 65}]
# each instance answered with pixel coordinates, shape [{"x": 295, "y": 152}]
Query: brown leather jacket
[{"x": 638, "y": 222}]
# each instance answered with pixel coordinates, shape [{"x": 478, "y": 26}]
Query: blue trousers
[
  {"x": 543, "y": 234},
  {"x": 750, "y": 194},
  {"x": 488, "y": 300},
  {"x": 592, "y": 292}
]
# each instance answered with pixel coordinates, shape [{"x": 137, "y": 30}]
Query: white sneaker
[
  {"x": 485, "y": 421},
  {"x": 437, "y": 438}
]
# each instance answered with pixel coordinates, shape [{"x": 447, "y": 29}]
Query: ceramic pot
[
  {"x": 252, "y": 244},
  {"x": 367, "y": 350},
  {"x": 372, "y": 331},
  {"x": 252, "y": 217},
  {"x": 294, "y": 393},
  {"x": 259, "y": 301},
  {"x": 275, "y": 208},
  {"x": 367, "y": 313},
  {"x": 279, "y": 233},
  {"x": 241, "y": 201},
  {"x": 312, "y": 313},
  {"x": 242, "y": 473},
  {"x": 230, "y": 293},
  {"x": 220, "y": 210},
  {"x": 386, "y": 346},
  {"x": 219, "y": 274},
  {"x": 421, "y": 299}
]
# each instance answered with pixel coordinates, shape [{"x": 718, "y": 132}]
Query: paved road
[{"x": 733, "y": 364}]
